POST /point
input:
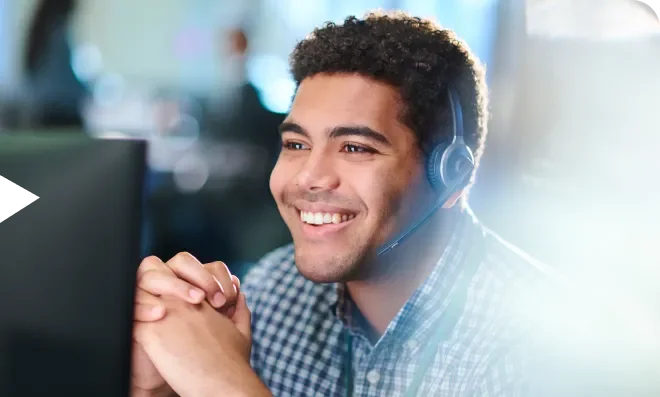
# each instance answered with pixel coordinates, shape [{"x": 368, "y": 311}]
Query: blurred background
[{"x": 571, "y": 173}]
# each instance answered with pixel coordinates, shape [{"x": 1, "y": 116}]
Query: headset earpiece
[
  {"x": 434, "y": 166},
  {"x": 457, "y": 161},
  {"x": 448, "y": 169},
  {"x": 448, "y": 164}
]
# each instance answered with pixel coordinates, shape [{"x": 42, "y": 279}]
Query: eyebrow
[
  {"x": 339, "y": 131},
  {"x": 291, "y": 127},
  {"x": 359, "y": 130}
]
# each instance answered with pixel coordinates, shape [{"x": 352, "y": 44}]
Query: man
[
  {"x": 382, "y": 293},
  {"x": 53, "y": 92}
]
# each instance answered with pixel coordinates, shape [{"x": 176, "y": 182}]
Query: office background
[{"x": 571, "y": 169}]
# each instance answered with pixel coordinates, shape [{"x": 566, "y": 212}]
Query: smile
[
  {"x": 323, "y": 221},
  {"x": 320, "y": 218}
]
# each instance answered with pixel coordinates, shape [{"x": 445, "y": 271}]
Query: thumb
[{"x": 242, "y": 317}]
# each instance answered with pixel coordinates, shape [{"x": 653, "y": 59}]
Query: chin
[
  {"x": 328, "y": 250},
  {"x": 322, "y": 267}
]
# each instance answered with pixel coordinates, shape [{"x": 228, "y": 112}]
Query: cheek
[
  {"x": 398, "y": 188},
  {"x": 278, "y": 181},
  {"x": 383, "y": 192}
]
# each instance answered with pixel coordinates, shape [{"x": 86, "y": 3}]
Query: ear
[{"x": 453, "y": 199}]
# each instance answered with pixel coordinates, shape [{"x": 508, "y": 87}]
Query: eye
[
  {"x": 293, "y": 145},
  {"x": 353, "y": 148}
]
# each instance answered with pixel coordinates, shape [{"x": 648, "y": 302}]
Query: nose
[{"x": 317, "y": 173}]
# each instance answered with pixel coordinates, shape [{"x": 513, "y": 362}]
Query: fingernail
[
  {"x": 219, "y": 299},
  {"x": 196, "y": 294}
]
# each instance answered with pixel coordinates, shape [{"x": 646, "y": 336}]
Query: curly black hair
[{"x": 414, "y": 55}]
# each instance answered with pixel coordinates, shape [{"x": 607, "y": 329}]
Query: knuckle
[
  {"x": 151, "y": 259},
  {"x": 224, "y": 266},
  {"x": 178, "y": 258},
  {"x": 150, "y": 262},
  {"x": 145, "y": 279},
  {"x": 185, "y": 256},
  {"x": 214, "y": 265},
  {"x": 219, "y": 269},
  {"x": 211, "y": 269},
  {"x": 149, "y": 276},
  {"x": 182, "y": 260},
  {"x": 154, "y": 280}
]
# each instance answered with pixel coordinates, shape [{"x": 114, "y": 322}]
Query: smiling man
[
  {"x": 391, "y": 287},
  {"x": 349, "y": 174}
]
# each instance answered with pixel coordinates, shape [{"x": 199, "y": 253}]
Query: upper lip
[{"x": 320, "y": 207}]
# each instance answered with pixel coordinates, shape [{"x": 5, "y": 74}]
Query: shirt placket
[{"x": 367, "y": 373}]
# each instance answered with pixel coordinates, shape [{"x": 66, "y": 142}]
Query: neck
[{"x": 401, "y": 271}]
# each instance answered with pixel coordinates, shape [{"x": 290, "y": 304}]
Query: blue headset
[{"x": 448, "y": 168}]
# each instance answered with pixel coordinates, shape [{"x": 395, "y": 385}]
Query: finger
[
  {"x": 144, "y": 304},
  {"x": 142, "y": 296},
  {"x": 242, "y": 317},
  {"x": 188, "y": 268},
  {"x": 229, "y": 309},
  {"x": 237, "y": 283},
  {"x": 224, "y": 278},
  {"x": 159, "y": 283},
  {"x": 146, "y": 312},
  {"x": 151, "y": 263},
  {"x": 140, "y": 333}
]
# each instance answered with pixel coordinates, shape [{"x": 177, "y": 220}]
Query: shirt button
[
  {"x": 373, "y": 377},
  {"x": 412, "y": 344}
]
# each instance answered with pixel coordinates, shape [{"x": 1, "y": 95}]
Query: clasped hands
[{"x": 192, "y": 333}]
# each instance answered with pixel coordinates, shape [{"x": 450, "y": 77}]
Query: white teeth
[{"x": 320, "y": 218}]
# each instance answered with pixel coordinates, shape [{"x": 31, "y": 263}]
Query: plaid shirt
[{"x": 299, "y": 346}]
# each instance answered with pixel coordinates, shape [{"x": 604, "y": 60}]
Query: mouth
[
  {"x": 323, "y": 224},
  {"x": 324, "y": 218}
]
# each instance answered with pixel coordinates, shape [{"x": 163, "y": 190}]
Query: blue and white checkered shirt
[{"x": 299, "y": 327}]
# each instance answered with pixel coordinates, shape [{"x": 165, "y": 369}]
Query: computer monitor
[{"x": 67, "y": 266}]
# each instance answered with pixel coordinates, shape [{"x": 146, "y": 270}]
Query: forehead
[{"x": 324, "y": 101}]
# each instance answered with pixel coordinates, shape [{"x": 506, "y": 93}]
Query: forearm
[
  {"x": 251, "y": 388},
  {"x": 165, "y": 391},
  {"x": 233, "y": 379},
  {"x": 239, "y": 381}
]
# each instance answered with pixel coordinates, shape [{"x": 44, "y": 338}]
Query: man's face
[{"x": 346, "y": 176}]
